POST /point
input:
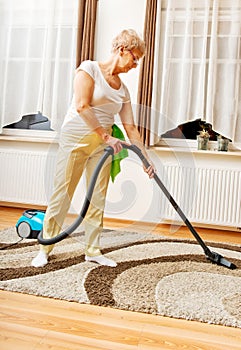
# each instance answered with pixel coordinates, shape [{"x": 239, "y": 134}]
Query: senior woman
[{"x": 99, "y": 94}]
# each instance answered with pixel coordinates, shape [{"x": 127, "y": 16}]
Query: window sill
[
  {"x": 190, "y": 146},
  {"x": 26, "y": 135},
  {"x": 164, "y": 145}
]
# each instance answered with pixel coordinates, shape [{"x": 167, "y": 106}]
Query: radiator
[
  {"x": 26, "y": 177},
  {"x": 206, "y": 195}
]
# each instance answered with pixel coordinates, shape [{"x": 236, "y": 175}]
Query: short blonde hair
[{"x": 130, "y": 40}]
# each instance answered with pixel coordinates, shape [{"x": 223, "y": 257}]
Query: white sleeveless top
[{"x": 106, "y": 102}]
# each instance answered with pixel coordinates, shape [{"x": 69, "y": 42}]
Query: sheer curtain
[
  {"x": 37, "y": 58},
  {"x": 197, "y": 71}
]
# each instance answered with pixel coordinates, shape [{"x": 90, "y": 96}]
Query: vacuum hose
[
  {"x": 47, "y": 241},
  {"x": 212, "y": 256}
]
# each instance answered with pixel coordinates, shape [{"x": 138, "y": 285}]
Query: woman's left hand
[{"x": 151, "y": 170}]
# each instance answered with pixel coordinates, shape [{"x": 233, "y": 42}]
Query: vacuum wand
[{"x": 212, "y": 256}]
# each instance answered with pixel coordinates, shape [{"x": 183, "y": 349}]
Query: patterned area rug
[{"x": 158, "y": 275}]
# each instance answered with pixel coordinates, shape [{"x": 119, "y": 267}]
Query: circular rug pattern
[{"x": 158, "y": 275}]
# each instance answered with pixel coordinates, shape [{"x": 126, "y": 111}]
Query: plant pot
[
  {"x": 223, "y": 144},
  {"x": 202, "y": 143}
]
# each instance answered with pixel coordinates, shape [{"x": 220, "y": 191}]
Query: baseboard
[
  {"x": 22, "y": 205},
  {"x": 173, "y": 226}
]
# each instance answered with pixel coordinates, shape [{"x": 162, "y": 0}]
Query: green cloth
[{"x": 116, "y": 158}]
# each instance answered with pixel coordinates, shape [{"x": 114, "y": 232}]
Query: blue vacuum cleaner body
[{"x": 30, "y": 224}]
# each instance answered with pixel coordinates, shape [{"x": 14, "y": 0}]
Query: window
[
  {"x": 37, "y": 58},
  {"x": 198, "y": 66}
]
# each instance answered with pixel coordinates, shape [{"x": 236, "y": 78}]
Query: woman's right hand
[{"x": 115, "y": 143}]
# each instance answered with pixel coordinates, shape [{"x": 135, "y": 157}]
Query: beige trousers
[{"x": 75, "y": 155}]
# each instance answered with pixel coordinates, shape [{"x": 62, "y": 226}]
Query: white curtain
[
  {"x": 37, "y": 58},
  {"x": 197, "y": 71}
]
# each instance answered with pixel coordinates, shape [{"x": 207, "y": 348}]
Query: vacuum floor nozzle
[{"x": 220, "y": 260}]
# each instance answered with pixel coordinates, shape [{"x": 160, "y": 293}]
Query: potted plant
[
  {"x": 222, "y": 143},
  {"x": 203, "y": 139}
]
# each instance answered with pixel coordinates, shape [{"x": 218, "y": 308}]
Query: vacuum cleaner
[{"x": 30, "y": 224}]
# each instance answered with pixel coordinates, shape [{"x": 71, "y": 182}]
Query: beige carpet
[{"x": 155, "y": 275}]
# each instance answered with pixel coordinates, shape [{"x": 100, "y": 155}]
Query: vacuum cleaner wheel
[{"x": 24, "y": 229}]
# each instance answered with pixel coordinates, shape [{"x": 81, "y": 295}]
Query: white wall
[
  {"x": 112, "y": 17},
  {"x": 126, "y": 196},
  {"x": 133, "y": 196}
]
